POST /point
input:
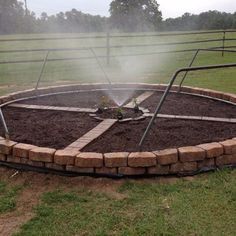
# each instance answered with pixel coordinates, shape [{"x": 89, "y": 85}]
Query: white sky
[{"x": 169, "y": 8}]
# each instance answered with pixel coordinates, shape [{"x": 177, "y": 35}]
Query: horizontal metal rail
[
  {"x": 103, "y": 57},
  {"x": 114, "y": 46},
  {"x": 118, "y": 36},
  {"x": 194, "y": 58},
  {"x": 167, "y": 91}
]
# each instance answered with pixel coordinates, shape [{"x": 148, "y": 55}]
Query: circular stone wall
[{"x": 81, "y": 155}]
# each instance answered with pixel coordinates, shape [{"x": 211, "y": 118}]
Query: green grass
[
  {"x": 8, "y": 197},
  {"x": 204, "y": 206},
  {"x": 153, "y": 68}
]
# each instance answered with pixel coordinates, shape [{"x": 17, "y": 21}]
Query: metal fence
[{"x": 108, "y": 46}]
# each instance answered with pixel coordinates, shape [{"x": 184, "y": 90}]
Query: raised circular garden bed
[{"x": 60, "y": 128}]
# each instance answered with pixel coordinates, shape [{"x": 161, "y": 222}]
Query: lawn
[
  {"x": 150, "y": 68},
  {"x": 203, "y": 205}
]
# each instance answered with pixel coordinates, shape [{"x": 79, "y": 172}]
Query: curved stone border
[{"x": 184, "y": 160}]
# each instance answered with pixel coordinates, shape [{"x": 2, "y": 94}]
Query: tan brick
[
  {"x": 3, "y": 157},
  {"x": 13, "y": 159},
  {"x": 183, "y": 167},
  {"x": 226, "y": 160},
  {"x": 129, "y": 171},
  {"x": 24, "y": 161},
  {"x": 106, "y": 171},
  {"x": 6, "y": 146},
  {"x": 22, "y": 150},
  {"x": 80, "y": 170},
  {"x": 142, "y": 159},
  {"x": 212, "y": 149},
  {"x": 65, "y": 157},
  {"x": 159, "y": 170},
  {"x": 189, "y": 154},
  {"x": 35, "y": 163},
  {"x": 166, "y": 157},
  {"x": 210, "y": 162},
  {"x": 42, "y": 154},
  {"x": 116, "y": 159},
  {"x": 54, "y": 166},
  {"x": 229, "y": 146},
  {"x": 89, "y": 159}
]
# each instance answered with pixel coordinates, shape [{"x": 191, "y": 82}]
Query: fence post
[
  {"x": 108, "y": 48},
  {"x": 223, "y": 46}
]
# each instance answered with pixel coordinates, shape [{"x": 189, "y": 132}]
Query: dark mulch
[
  {"x": 59, "y": 129},
  {"x": 46, "y": 128},
  {"x": 166, "y": 133},
  {"x": 183, "y": 104},
  {"x": 91, "y": 99}
]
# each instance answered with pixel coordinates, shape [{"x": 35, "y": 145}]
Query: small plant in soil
[
  {"x": 120, "y": 115},
  {"x": 136, "y": 106},
  {"x": 104, "y": 102}
]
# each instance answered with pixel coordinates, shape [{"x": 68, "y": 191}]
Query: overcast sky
[{"x": 169, "y": 8}]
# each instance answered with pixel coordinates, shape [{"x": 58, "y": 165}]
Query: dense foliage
[
  {"x": 211, "y": 20},
  {"x": 136, "y": 15}
]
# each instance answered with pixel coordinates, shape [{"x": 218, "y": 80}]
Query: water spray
[{"x": 101, "y": 67}]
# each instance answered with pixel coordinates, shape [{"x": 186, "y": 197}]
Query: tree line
[{"x": 126, "y": 16}]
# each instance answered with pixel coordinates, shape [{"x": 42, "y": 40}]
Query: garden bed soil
[
  {"x": 58, "y": 129},
  {"x": 165, "y": 133},
  {"x": 52, "y": 129},
  {"x": 175, "y": 104},
  {"x": 188, "y": 105},
  {"x": 89, "y": 99}
]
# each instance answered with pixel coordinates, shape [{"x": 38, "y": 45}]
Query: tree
[{"x": 135, "y": 15}]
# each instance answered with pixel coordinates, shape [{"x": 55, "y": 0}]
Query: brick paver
[
  {"x": 91, "y": 135},
  {"x": 140, "y": 99},
  {"x": 52, "y": 108}
]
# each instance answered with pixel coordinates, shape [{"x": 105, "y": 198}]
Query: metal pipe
[
  {"x": 198, "y": 68},
  {"x": 186, "y": 73},
  {"x": 4, "y": 125},
  {"x": 194, "y": 58},
  {"x": 42, "y": 70},
  {"x": 101, "y": 67}
]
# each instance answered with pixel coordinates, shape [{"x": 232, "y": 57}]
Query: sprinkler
[
  {"x": 136, "y": 106},
  {"x": 120, "y": 115}
]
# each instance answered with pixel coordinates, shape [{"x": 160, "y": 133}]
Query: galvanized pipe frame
[
  {"x": 167, "y": 91},
  {"x": 194, "y": 58}
]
